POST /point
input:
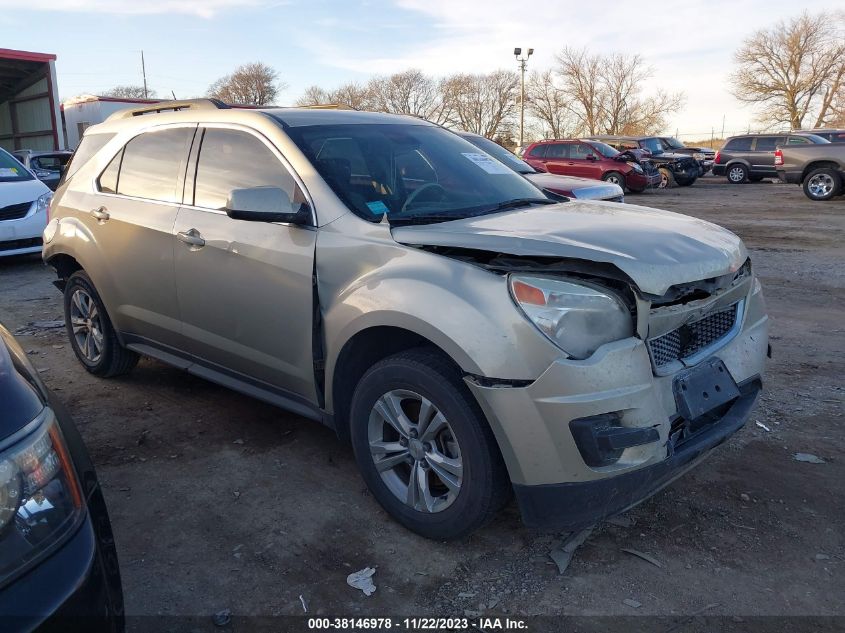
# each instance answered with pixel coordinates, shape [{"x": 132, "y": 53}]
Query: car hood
[
  {"x": 656, "y": 249},
  {"x": 581, "y": 188},
  {"x": 21, "y": 191}
]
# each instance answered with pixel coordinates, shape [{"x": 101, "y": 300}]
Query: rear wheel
[
  {"x": 667, "y": 178},
  {"x": 424, "y": 448},
  {"x": 92, "y": 336},
  {"x": 614, "y": 177},
  {"x": 737, "y": 174},
  {"x": 822, "y": 184}
]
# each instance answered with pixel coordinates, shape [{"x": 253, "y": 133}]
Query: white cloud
[
  {"x": 200, "y": 8},
  {"x": 690, "y": 46}
]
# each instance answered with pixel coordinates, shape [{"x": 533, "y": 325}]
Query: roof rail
[
  {"x": 174, "y": 105},
  {"x": 328, "y": 106}
]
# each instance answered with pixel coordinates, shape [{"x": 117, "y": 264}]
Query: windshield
[
  {"x": 500, "y": 153},
  {"x": 653, "y": 145},
  {"x": 604, "y": 149},
  {"x": 673, "y": 143},
  {"x": 49, "y": 162},
  {"x": 11, "y": 170},
  {"x": 411, "y": 172}
]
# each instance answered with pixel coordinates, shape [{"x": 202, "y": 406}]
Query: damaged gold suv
[{"x": 469, "y": 335}]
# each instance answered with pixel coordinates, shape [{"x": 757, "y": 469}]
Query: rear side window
[
  {"x": 741, "y": 144},
  {"x": 557, "y": 150},
  {"x": 797, "y": 140},
  {"x": 769, "y": 143},
  {"x": 538, "y": 151},
  {"x": 151, "y": 164},
  {"x": 230, "y": 159},
  {"x": 90, "y": 145}
]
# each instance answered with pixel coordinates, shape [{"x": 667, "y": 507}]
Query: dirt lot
[{"x": 219, "y": 501}]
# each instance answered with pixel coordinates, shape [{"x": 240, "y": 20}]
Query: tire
[
  {"x": 616, "y": 178},
  {"x": 479, "y": 488},
  {"x": 95, "y": 342},
  {"x": 736, "y": 174},
  {"x": 687, "y": 183},
  {"x": 667, "y": 178},
  {"x": 822, "y": 184}
]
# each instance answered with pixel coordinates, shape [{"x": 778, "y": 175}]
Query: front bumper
[
  {"x": 574, "y": 506},
  {"x": 18, "y": 237},
  {"x": 532, "y": 423},
  {"x": 638, "y": 182}
]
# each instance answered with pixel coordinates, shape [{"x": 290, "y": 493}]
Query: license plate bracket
[{"x": 702, "y": 388}]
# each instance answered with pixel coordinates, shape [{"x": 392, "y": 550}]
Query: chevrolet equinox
[{"x": 471, "y": 337}]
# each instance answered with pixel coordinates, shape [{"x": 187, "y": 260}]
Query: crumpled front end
[{"x": 590, "y": 438}]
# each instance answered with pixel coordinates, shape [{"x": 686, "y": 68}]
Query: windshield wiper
[
  {"x": 519, "y": 202},
  {"x": 424, "y": 219}
]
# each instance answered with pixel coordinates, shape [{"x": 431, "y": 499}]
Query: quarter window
[
  {"x": 151, "y": 164},
  {"x": 539, "y": 151},
  {"x": 108, "y": 179},
  {"x": 741, "y": 144},
  {"x": 230, "y": 159}
]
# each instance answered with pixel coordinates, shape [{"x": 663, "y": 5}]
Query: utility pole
[
  {"x": 144, "y": 73},
  {"x": 523, "y": 64}
]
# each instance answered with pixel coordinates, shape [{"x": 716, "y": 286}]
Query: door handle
[
  {"x": 100, "y": 213},
  {"x": 192, "y": 237}
]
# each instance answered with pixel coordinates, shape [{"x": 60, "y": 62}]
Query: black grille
[
  {"x": 691, "y": 338},
  {"x": 14, "y": 211},
  {"x": 14, "y": 245}
]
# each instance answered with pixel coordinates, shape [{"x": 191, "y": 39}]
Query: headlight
[
  {"x": 577, "y": 318},
  {"x": 43, "y": 202},
  {"x": 40, "y": 498},
  {"x": 636, "y": 167},
  {"x": 698, "y": 156}
]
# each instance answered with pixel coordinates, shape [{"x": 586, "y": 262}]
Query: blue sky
[{"x": 187, "y": 44}]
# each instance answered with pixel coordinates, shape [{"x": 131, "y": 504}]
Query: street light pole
[{"x": 523, "y": 64}]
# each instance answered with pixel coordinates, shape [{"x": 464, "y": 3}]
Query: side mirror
[
  {"x": 265, "y": 204},
  {"x": 592, "y": 157}
]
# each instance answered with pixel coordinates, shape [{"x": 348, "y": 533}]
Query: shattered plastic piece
[
  {"x": 304, "y": 604},
  {"x": 644, "y": 556},
  {"x": 620, "y": 520},
  {"x": 222, "y": 618},
  {"x": 808, "y": 458},
  {"x": 632, "y": 603},
  {"x": 362, "y": 580},
  {"x": 563, "y": 556},
  {"x": 764, "y": 427}
]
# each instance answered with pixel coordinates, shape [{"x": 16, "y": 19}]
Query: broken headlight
[
  {"x": 576, "y": 317},
  {"x": 40, "y": 497},
  {"x": 636, "y": 167}
]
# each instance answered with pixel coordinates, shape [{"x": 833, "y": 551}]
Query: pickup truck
[{"x": 820, "y": 169}]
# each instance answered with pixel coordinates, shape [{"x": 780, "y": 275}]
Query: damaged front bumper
[{"x": 566, "y": 478}]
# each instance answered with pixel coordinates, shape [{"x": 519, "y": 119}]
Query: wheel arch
[{"x": 820, "y": 164}]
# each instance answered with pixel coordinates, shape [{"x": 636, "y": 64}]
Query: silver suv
[{"x": 379, "y": 274}]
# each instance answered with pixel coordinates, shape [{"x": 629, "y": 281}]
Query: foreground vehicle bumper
[
  {"x": 18, "y": 237},
  {"x": 69, "y": 591},
  {"x": 638, "y": 182},
  {"x": 574, "y": 506}
]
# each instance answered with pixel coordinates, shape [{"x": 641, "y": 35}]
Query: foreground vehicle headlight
[
  {"x": 698, "y": 156},
  {"x": 576, "y": 317},
  {"x": 43, "y": 202},
  {"x": 40, "y": 498},
  {"x": 636, "y": 167}
]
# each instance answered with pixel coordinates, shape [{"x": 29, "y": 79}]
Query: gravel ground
[{"x": 219, "y": 501}]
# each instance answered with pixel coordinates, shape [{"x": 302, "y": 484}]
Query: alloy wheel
[
  {"x": 86, "y": 324},
  {"x": 415, "y": 451},
  {"x": 820, "y": 185},
  {"x": 737, "y": 174}
]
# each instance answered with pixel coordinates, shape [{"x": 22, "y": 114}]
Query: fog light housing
[{"x": 602, "y": 439}]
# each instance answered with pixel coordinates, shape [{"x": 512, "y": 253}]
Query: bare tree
[
  {"x": 250, "y": 84},
  {"x": 547, "y": 102},
  {"x": 408, "y": 92},
  {"x": 605, "y": 93},
  {"x": 483, "y": 104},
  {"x": 353, "y": 95},
  {"x": 794, "y": 70},
  {"x": 130, "y": 92}
]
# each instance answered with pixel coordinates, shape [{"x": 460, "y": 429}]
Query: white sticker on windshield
[
  {"x": 490, "y": 165},
  {"x": 8, "y": 172}
]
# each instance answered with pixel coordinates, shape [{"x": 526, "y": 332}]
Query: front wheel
[
  {"x": 614, "y": 177},
  {"x": 822, "y": 184},
  {"x": 667, "y": 178},
  {"x": 424, "y": 448},
  {"x": 92, "y": 336}
]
